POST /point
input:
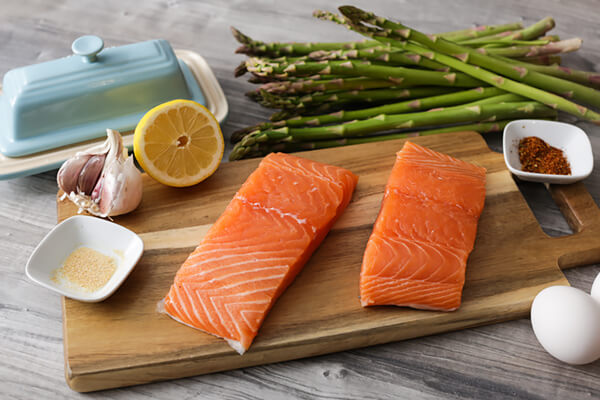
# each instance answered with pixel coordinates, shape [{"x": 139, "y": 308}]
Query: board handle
[{"x": 583, "y": 216}]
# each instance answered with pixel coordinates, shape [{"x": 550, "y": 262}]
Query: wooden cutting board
[{"x": 124, "y": 341}]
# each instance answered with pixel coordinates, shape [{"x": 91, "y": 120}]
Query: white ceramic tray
[{"x": 13, "y": 167}]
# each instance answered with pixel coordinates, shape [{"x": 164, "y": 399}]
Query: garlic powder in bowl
[
  {"x": 85, "y": 258},
  {"x": 85, "y": 269}
]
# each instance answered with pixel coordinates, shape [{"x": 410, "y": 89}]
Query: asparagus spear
[
  {"x": 488, "y": 112},
  {"x": 363, "y": 68},
  {"x": 440, "y": 50},
  {"x": 255, "y": 47},
  {"x": 353, "y": 96},
  {"x": 496, "y": 43},
  {"x": 564, "y": 46},
  {"x": 550, "y": 38},
  {"x": 583, "y": 77},
  {"x": 480, "y": 31},
  {"x": 324, "y": 108},
  {"x": 540, "y": 60},
  {"x": 321, "y": 85},
  {"x": 531, "y": 32},
  {"x": 513, "y": 51},
  {"x": 386, "y": 55},
  {"x": 270, "y": 78},
  {"x": 262, "y": 149},
  {"x": 383, "y": 122},
  {"x": 260, "y": 79},
  {"x": 317, "y": 110},
  {"x": 378, "y": 55},
  {"x": 425, "y": 103},
  {"x": 397, "y": 57}
]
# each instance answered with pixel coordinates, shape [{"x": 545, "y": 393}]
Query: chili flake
[{"x": 538, "y": 156}]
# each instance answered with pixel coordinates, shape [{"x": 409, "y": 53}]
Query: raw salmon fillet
[
  {"x": 417, "y": 253},
  {"x": 258, "y": 245}
]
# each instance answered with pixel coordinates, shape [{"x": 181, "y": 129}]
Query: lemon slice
[{"x": 178, "y": 143}]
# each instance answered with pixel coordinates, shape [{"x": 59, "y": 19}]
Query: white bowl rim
[
  {"x": 539, "y": 176},
  {"x": 90, "y": 298}
]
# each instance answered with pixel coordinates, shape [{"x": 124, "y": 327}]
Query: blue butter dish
[{"x": 76, "y": 98}]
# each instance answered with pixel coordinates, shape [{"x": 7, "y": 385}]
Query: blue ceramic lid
[{"x": 73, "y": 99}]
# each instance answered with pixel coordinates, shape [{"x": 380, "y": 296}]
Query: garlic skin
[
  {"x": 68, "y": 175},
  {"x": 102, "y": 180}
]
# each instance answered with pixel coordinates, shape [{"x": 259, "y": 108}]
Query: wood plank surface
[
  {"x": 501, "y": 361},
  {"x": 124, "y": 340}
]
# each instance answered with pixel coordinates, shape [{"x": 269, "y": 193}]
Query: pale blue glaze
[
  {"x": 87, "y": 47},
  {"x": 77, "y": 98}
]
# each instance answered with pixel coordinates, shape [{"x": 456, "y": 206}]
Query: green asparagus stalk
[
  {"x": 495, "y": 43},
  {"x": 321, "y": 85},
  {"x": 250, "y": 65},
  {"x": 352, "y": 96},
  {"x": 465, "y": 114},
  {"x": 260, "y": 79},
  {"x": 440, "y": 50},
  {"x": 568, "y": 89},
  {"x": 550, "y": 38},
  {"x": 304, "y": 59},
  {"x": 419, "y": 104},
  {"x": 319, "y": 109},
  {"x": 325, "y": 108},
  {"x": 549, "y": 59},
  {"x": 564, "y": 46},
  {"x": 379, "y": 54},
  {"x": 583, "y": 77},
  {"x": 502, "y": 98},
  {"x": 363, "y": 68},
  {"x": 529, "y": 33},
  {"x": 512, "y": 51},
  {"x": 384, "y": 122},
  {"x": 393, "y": 56},
  {"x": 480, "y": 31},
  {"x": 269, "y": 79},
  {"x": 262, "y": 149},
  {"x": 255, "y": 47}
]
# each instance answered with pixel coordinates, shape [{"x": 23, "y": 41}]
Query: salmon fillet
[
  {"x": 426, "y": 227},
  {"x": 258, "y": 245}
]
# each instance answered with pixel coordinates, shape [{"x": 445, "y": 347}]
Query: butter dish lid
[{"x": 76, "y": 98}]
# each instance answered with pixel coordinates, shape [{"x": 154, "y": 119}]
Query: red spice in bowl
[{"x": 538, "y": 156}]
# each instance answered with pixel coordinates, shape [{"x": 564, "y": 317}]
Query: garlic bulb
[{"x": 102, "y": 180}]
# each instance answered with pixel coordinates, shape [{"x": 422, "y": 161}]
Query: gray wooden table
[{"x": 498, "y": 361}]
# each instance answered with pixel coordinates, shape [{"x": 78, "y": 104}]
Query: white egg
[{"x": 566, "y": 321}]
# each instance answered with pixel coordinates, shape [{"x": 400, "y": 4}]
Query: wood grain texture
[
  {"x": 502, "y": 361},
  {"x": 124, "y": 341}
]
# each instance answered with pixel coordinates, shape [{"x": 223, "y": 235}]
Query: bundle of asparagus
[{"x": 401, "y": 82}]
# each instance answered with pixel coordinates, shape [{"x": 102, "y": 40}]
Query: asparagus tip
[
  {"x": 243, "y": 49},
  {"x": 351, "y": 12},
  {"x": 240, "y": 37},
  {"x": 240, "y": 69}
]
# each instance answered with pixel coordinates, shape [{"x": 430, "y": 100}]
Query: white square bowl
[
  {"x": 570, "y": 139},
  {"x": 106, "y": 237}
]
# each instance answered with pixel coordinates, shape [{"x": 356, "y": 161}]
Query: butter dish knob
[{"x": 87, "y": 47}]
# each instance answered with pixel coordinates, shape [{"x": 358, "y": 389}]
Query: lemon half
[{"x": 179, "y": 143}]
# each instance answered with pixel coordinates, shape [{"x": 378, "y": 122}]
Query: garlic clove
[
  {"x": 102, "y": 180},
  {"x": 88, "y": 177},
  {"x": 121, "y": 189},
  {"x": 68, "y": 174}
]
